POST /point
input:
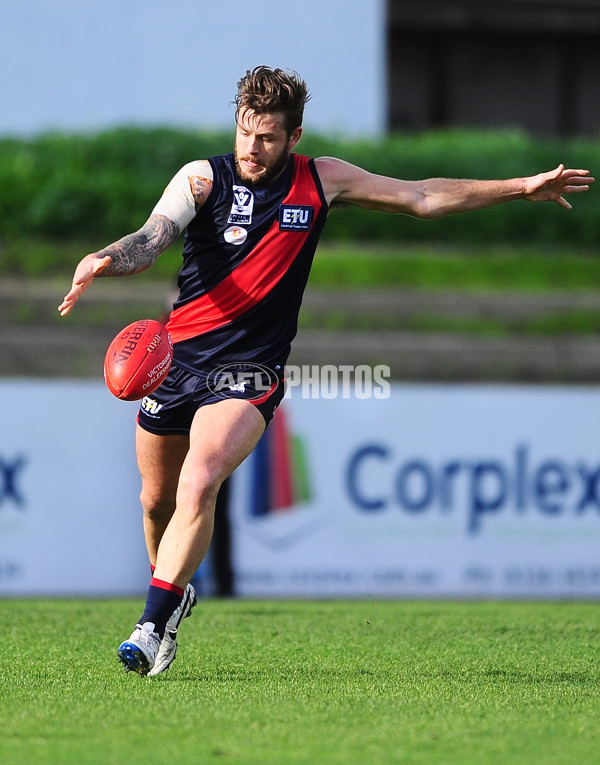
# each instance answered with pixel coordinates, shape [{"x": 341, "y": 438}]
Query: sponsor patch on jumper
[
  {"x": 235, "y": 235},
  {"x": 295, "y": 217}
]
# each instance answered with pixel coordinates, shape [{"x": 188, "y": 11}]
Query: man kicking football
[{"x": 252, "y": 221}]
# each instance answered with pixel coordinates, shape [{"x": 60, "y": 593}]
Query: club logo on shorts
[
  {"x": 151, "y": 407},
  {"x": 247, "y": 381},
  {"x": 242, "y": 207},
  {"x": 295, "y": 217}
]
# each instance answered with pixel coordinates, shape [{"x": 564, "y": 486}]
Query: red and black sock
[{"x": 163, "y": 598}]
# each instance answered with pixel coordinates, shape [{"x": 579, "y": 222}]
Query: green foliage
[
  {"x": 104, "y": 185},
  {"x": 97, "y": 185},
  {"x": 472, "y": 267},
  {"x": 303, "y": 682}
]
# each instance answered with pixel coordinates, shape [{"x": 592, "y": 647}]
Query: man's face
[{"x": 262, "y": 146}]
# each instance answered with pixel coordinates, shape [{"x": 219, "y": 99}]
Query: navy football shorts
[{"x": 171, "y": 409}]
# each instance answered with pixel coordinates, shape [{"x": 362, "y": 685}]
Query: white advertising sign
[
  {"x": 441, "y": 491},
  {"x": 434, "y": 491},
  {"x": 70, "y": 518}
]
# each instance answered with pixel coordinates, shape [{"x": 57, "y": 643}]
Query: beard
[{"x": 269, "y": 174}]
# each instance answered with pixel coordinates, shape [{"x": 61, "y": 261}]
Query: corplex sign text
[
  {"x": 9, "y": 485},
  {"x": 552, "y": 486}
]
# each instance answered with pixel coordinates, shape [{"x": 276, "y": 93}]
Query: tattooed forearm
[{"x": 137, "y": 252}]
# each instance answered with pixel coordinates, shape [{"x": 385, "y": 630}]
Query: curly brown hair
[{"x": 266, "y": 90}]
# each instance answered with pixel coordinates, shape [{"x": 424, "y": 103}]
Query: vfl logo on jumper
[
  {"x": 242, "y": 207},
  {"x": 279, "y": 471},
  {"x": 9, "y": 477},
  {"x": 252, "y": 381},
  {"x": 295, "y": 217}
]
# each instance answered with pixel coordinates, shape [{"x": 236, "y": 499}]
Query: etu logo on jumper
[
  {"x": 295, "y": 217},
  {"x": 242, "y": 207},
  {"x": 279, "y": 477}
]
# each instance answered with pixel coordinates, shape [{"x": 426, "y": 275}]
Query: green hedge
[{"x": 97, "y": 187}]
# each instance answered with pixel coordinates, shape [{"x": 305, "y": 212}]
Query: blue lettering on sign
[
  {"x": 553, "y": 487},
  {"x": 590, "y": 479},
  {"x": 9, "y": 475},
  {"x": 361, "y": 499},
  {"x": 414, "y": 486}
]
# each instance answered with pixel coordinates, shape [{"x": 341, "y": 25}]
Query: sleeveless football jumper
[{"x": 246, "y": 260}]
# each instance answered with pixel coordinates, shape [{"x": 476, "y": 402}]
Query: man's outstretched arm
[
  {"x": 344, "y": 183},
  {"x": 133, "y": 253}
]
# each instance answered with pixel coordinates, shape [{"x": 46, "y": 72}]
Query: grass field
[{"x": 278, "y": 682}]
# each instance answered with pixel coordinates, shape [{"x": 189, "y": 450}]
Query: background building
[{"x": 532, "y": 64}]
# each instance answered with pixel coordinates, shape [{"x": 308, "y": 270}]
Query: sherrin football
[{"x": 138, "y": 360}]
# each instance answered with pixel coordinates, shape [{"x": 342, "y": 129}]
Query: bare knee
[
  {"x": 158, "y": 507},
  {"x": 197, "y": 491}
]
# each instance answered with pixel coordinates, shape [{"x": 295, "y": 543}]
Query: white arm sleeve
[{"x": 177, "y": 202}]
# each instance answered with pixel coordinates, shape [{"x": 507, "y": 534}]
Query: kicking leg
[{"x": 221, "y": 437}]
